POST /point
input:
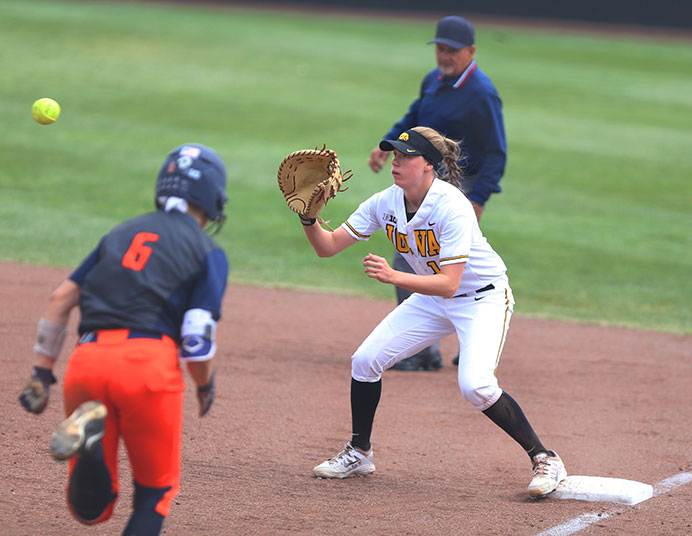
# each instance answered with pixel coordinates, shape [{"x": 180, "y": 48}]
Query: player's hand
[
  {"x": 34, "y": 396},
  {"x": 205, "y": 395},
  {"x": 378, "y": 268},
  {"x": 378, "y": 157}
]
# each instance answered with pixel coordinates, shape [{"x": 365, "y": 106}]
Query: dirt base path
[{"x": 612, "y": 402}]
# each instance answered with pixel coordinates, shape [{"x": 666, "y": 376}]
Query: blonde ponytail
[{"x": 449, "y": 170}]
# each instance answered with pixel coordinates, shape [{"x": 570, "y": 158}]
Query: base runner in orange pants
[
  {"x": 149, "y": 297},
  {"x": 141, "y": 385}
]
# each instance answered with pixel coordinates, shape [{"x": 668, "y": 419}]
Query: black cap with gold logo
[{"x": 413, "y": 143}]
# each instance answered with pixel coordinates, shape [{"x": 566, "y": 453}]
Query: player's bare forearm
[
  {"x": 432, "y": 285},
  {"x": 200, "y": 371},
  {"x": 43, "y": 361},
  {"x": 50, "y": 337},
  {"x": 442, "y": 284},
  {"x": 203, "y": 376},
  {"x": 62, "y": 301},
  {"x": 55, "y": 317},
  {"x": 328, "y": 243}
]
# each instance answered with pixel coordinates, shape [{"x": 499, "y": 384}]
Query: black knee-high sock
[
  {"x": 145, "y": 520},
  {"x": 364, "y": 399},
  {"x": 507, "y": 414},
  {"x": 89, "y": 490}
]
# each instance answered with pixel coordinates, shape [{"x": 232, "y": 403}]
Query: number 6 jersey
[{"x": 149, "y": 271}]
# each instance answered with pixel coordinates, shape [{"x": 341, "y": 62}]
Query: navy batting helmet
[{"x": 197, "y": 174}]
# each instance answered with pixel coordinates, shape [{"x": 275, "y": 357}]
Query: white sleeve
[
  {"x": 198, "y": 334},
  {"x": 455, "y": 241},
  {"x": 363, "y": 222}
]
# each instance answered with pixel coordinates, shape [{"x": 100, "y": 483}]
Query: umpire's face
[{"x": 453, "y": 61}]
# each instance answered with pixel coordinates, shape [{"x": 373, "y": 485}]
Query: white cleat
[
  {"x": 349, "y": 462},
  {"x": 80, "y": 431},
  {"x": 548, "y": 472}
]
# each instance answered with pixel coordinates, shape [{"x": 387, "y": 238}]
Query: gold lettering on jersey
[
  {"x": 402, "y": 243},
  {"x": 434, "y": 266},
  {"x": 433, "y": 244},
  {"x": 399, "y": 240},
  {"x": 389, "y": 229},
  {"x": 420, "y": 241},
  {"x": 426, "y": 241}
]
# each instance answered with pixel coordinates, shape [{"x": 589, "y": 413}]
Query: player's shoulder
[
  {"x": 139, "y": 221},
  {"x": 174, "y": 224},
  {"x": 449, "y": 199},
  {"x": 447, "y": 191},
  {"x": 156, "y": 220},
  {"x": 186, "y": 231},
  {"x": 385, "y": 196}
]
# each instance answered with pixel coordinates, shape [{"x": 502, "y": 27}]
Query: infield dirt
[{"x": 611, "y": 401}]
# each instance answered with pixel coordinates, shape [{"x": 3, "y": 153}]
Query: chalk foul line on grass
[{"x": 583, "y": 521}]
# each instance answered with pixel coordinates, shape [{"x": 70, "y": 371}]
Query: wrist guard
[
  {"x": 306, "y": 221},
  {"x": 49, "y": 338}
]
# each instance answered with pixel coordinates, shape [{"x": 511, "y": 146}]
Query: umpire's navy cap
[
  {"x": 455, "y": 32},
  {"x": 414, "y": 144}
]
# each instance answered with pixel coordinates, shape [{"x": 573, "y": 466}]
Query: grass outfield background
[{"x": 594, "y": 221}]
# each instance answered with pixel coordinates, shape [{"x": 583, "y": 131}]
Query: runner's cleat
[{"x": 80, "y": 431}]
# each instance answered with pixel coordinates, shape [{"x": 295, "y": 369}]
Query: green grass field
[{"x": 595, "y": 218}]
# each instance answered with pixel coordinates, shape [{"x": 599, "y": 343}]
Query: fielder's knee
[
  {"x": 364, "y": 368},
  {"x": 481, "y": 397}
]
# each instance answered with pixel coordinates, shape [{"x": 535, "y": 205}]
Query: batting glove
[
  {"x": 205, "y": 395},
  {"x": 34, "y": 396}
]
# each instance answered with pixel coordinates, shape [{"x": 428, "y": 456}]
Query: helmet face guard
[
  {"x": 197, "y": 174},
  {"x": 214, "y": 226}
]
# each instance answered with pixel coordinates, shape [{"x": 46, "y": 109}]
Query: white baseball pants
[{"x": 481, "y": 322}]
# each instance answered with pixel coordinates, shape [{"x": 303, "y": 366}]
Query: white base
[{"x": 596, "y": 488}]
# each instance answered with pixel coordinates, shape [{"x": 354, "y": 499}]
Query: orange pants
[{"x": 140, "y": 382}]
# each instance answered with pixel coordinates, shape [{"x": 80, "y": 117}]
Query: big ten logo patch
[{"x": 426, "y": 241}]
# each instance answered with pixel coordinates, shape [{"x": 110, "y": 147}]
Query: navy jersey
[
  {"x": 469, "y": 110},
  {"x": 147, "y": 272}
]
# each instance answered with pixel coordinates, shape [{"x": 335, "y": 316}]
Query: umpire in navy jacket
[{"x": 458, "y": 100}]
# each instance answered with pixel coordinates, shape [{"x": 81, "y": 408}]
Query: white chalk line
[
  {"x": 664, "y": 486},
  {"x": 581, "y": 522}
]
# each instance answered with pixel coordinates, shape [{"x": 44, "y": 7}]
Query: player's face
[
  {"x": 407, "y": 170},
  {"x": 452, "y": 61}
]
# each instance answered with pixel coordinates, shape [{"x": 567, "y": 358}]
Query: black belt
[
  {"x": 467, "y": 294},
  {"x": 93, "y": 336}
]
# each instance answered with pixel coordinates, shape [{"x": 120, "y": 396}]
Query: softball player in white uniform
[{"x": 459, "y": 286}]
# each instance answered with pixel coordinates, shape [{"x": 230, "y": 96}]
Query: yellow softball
[{"x": 45, "y": 111}]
